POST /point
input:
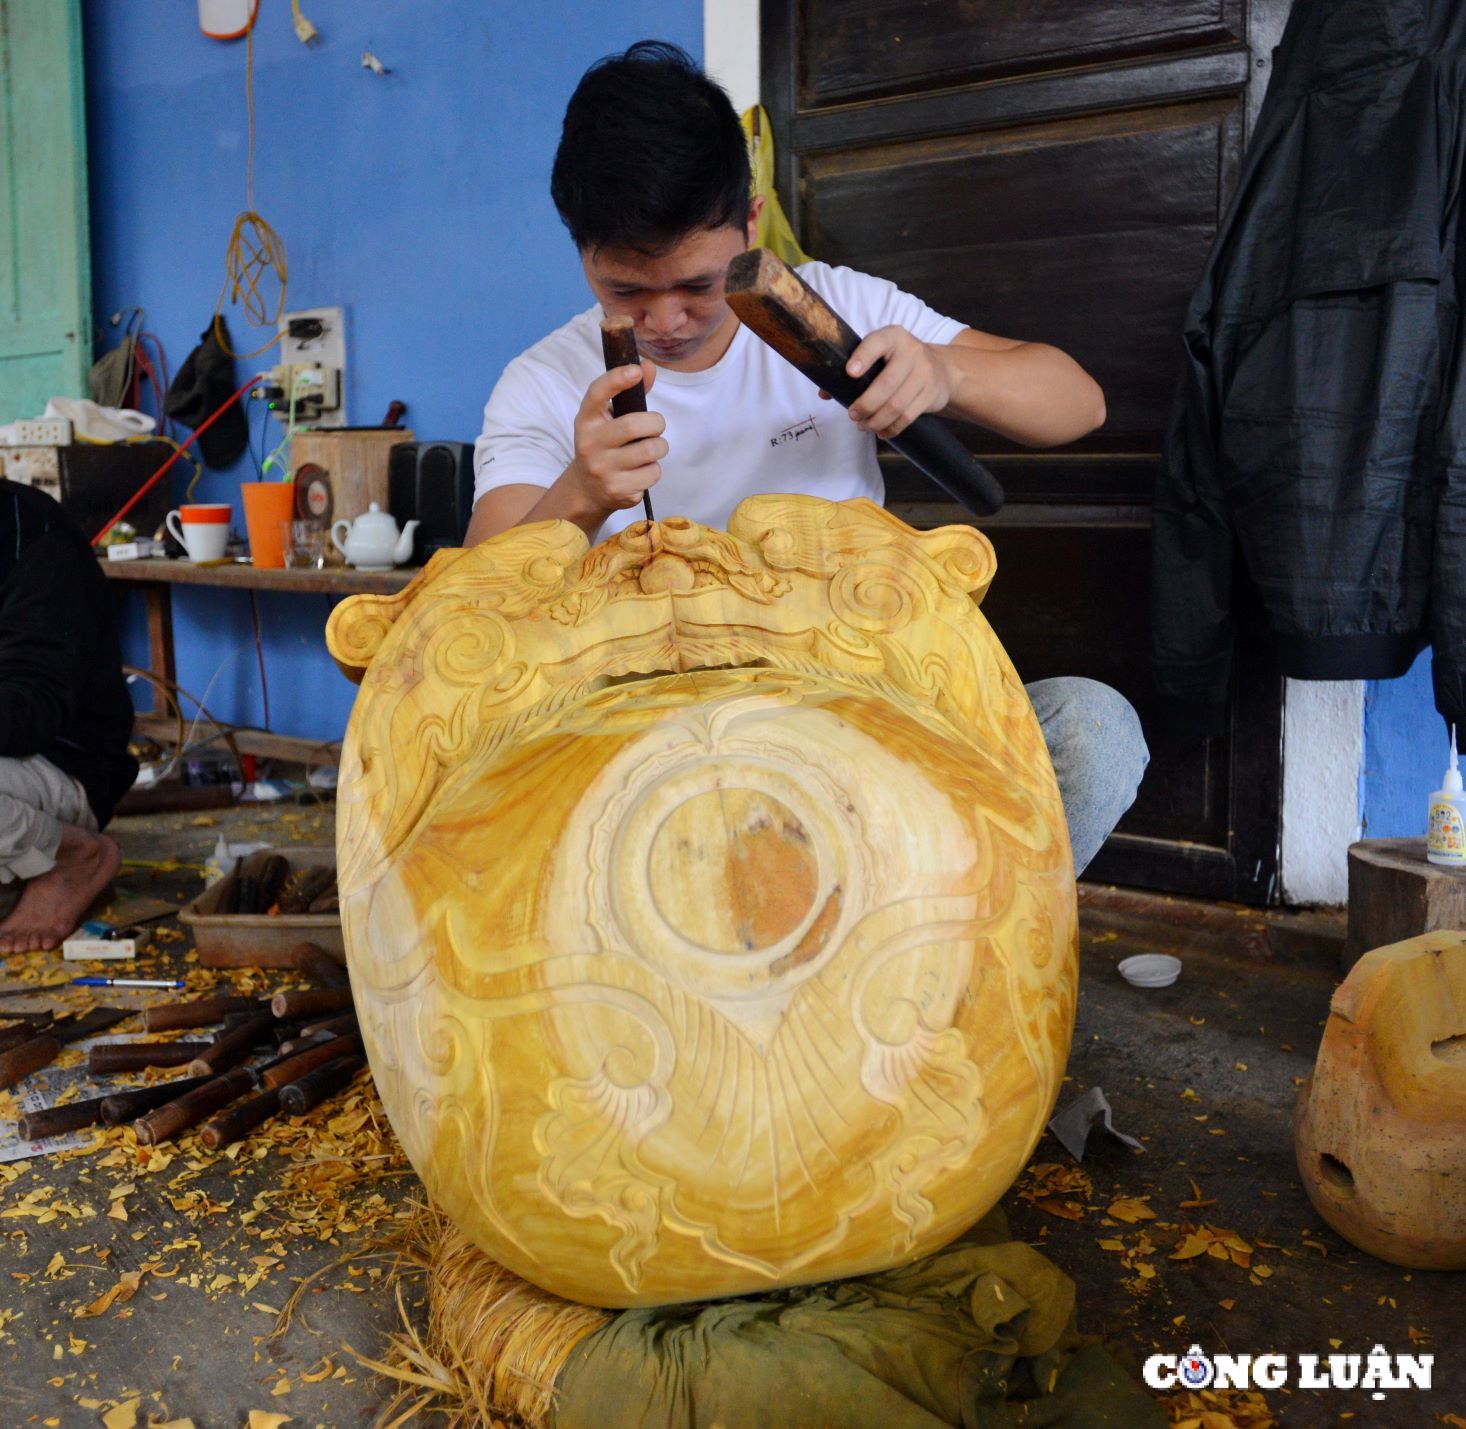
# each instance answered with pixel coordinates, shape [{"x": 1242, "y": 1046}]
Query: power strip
[{"x": 41, "y": 432}]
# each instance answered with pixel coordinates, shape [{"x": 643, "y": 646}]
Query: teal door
[{"x": 45, "y": 271}]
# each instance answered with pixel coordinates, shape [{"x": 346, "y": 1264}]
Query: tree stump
[{"x": 1395, "y": 894}]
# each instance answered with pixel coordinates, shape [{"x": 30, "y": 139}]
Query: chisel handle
[
  {"x": 618, "y": 347},
  {"x": 238, "y": 1121},
  {"x": 231, "y": 1047},
  {"x": 127, "y": 1106},
  {"x": 280, "y": 1073},
  {"x": 311, "y": 1002},
  {"x": 319, "y": 966},
  {"x": 202, "y": 1012},
  {"x": 192, "y": 1107},
  {"x": 299, "y": 1096},
  {"x": 57, "y": 1120},
  {"x": 109, "y": 1057},
  {"x": 19, "y": 1062}
]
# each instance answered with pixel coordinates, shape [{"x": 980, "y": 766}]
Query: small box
[
  {"x": 140, "y": 550},
  {"x": 258, "y": 940},
  {"x": 83, "y": 950}
]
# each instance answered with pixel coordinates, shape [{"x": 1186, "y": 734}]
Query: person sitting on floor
[{"x": 65, "y": 719}]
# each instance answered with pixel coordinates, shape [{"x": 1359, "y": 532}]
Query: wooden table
[{"x": 156, "y": 578}]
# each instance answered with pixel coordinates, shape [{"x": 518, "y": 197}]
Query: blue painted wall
[
  {"x": 418, "y": 201},
  {"x": 1405, "y": 753}
]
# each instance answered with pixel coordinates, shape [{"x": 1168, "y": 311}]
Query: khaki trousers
[{"x": 36, "y": 799}]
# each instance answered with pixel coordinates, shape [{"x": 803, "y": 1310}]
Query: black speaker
[{"x": 431, "y": 483}]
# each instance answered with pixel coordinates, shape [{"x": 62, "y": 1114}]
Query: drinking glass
[{"x": 304, "y": 543}]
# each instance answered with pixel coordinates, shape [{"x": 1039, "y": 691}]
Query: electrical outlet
[{"x": 315, "y": 338}]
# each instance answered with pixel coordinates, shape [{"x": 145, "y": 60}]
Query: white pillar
[
  {"x": 730, "y": 48},
  {"x": 1323, "y": 754}
]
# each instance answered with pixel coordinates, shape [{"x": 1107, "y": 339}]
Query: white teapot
[{"x": 373, "y": 542}]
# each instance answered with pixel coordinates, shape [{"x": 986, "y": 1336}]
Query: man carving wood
[{"x": 652, "y": 180}]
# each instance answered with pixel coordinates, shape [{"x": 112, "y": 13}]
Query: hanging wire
[{"x": 255, "y": 250}]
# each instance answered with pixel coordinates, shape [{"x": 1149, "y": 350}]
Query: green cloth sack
[{"x": 980, "y": 1335}]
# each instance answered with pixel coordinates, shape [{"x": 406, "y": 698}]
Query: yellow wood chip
[
  {"x": 1112, "y": 1245},
  {"x": 1192, "y": 1245},
  {"x": 123, "y": 1416},
  {"x": 282, "y": 1386},
  {"x": 262, "y": 1419},
  {"x": 1130, "y": 1209},
  {"x": 123, "y": 1290},
  {"x": 1226, "y": 1304},
  {"x": 316, "y": 1376}
]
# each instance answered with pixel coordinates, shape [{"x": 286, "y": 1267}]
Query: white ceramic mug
[{"x": 202, "y": 530}]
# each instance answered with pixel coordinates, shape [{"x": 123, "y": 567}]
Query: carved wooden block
[
  {"x": 707, "y": 896},
  {"x": 1381, "y": 1125}
]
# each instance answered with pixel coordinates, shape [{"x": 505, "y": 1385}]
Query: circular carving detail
[{"x": 747, "y": 862}]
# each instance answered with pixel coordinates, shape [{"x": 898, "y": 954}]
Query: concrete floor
[{"x": 1254, "y": 994}]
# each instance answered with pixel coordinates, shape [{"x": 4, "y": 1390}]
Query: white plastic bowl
[{"x": 1150, "y": 970}]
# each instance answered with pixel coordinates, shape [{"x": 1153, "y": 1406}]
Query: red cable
[
  {"x": 167, "y": 466},
  {"x": 254, "y": 615}
]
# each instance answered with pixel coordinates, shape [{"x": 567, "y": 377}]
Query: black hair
[{"x": 651, "y": 151}]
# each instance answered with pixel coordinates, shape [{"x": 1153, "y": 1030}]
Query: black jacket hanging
[{"x": 1321, "y": 424}]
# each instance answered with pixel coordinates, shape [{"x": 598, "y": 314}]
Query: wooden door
[
  {"x": 45, "y": 270},
  {"x": 1055, "y": 170}
]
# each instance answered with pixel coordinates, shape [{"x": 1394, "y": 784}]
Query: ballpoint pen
[
  {"x": 170, "y": 982},
  {"x": 173, "y": 982}
]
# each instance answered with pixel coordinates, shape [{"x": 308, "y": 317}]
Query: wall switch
[{"x": 314, "y": 339}]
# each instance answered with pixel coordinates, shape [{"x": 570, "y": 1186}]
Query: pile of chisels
[{"x": 309, "y": 1037}]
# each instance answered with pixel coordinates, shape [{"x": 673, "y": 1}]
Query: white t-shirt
[{"x": 750, "y": 424}]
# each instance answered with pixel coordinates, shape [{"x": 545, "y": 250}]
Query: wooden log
[
  {"x": 310, "y": 1001},
  {"x": 232, "y": 1047},
  {"x": 299, "y": 1096},
  {"x": 1395, "y": 894},
  {"x": 782, "y": 309},
  {"x": 109, "y": 1057},
  {"x": 202, "y": 1012}
]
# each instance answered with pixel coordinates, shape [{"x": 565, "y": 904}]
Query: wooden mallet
[
  {"x": 773, "y": 300},
  {"x": 618, "y": 347}
]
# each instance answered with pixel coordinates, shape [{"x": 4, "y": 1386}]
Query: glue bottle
[{"x": 1446, "y": 841}]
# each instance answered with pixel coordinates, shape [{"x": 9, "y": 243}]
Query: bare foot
[{"x": 52, "y": 905}]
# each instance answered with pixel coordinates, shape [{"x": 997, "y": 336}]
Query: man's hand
[
  {"x": 616, "y": 458},
  {"x": 912, "y": 382}
]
